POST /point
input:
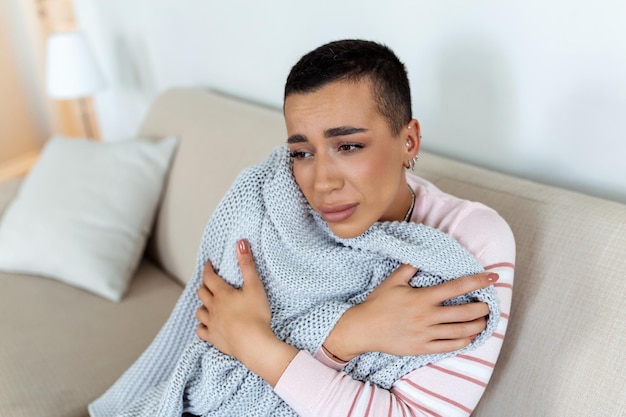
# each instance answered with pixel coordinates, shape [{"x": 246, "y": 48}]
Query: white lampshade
[{"x": 72, "y": 71}]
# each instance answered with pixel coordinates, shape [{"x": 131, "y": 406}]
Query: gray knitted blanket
[{"x": 311, "y": 278}]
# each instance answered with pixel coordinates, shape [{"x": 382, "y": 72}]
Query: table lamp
[{"x": 72, "y": 72}]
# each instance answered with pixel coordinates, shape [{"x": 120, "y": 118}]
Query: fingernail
[
  {"x": 492, "y": 277},
  {"x": 243, "y": 247}
]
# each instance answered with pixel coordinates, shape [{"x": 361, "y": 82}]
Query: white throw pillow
[{"x": 84, "y": 212}]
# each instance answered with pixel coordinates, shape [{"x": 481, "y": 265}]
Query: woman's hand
[
  {"x": 401, "y": 320},
  {"x": 230, "y": 316},
  {"x": 237, "y": 321}
]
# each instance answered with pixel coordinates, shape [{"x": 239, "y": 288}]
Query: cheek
[
  {"x": 303, "y": 179},
  {"x": 378, "y": 179},
  {"x": 378, "y": 168}
]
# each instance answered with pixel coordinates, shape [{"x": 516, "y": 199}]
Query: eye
[
  {"x": 298, "y": 155},
  {"x": 349, "y": 147}
]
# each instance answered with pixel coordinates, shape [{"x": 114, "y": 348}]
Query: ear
[{"x": 414, "y": 138}]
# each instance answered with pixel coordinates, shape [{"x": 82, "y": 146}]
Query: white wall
[{"x": 532, "y": 87}]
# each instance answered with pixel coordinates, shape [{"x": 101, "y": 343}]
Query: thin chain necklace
[{"x": 409, "y": 213}]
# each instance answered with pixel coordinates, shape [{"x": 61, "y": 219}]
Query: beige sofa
[{"x": 61, "y": 347}]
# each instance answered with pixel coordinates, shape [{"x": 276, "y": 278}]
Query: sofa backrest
[
  {"x": 564, "y": 350},
  {"x": 219, "y": 136}
]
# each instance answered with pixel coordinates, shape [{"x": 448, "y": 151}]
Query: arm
[
  {"x": 451, "y": 387},
  {"x": 455, "y": 385},
  {"x": 406, "y": 321},
  {"x": 236, "y": 321}
]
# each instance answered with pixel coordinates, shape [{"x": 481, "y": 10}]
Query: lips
[{"x": 337, "y": 213}]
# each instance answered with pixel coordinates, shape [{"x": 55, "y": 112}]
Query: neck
[
  {"x": 409, "y": 211},
  {"x": 401, "y": 205}
]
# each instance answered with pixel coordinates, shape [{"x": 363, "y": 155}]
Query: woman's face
[{"x": 347, "y": 162}]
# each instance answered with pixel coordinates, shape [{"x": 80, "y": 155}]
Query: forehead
[{"x": 335, "y": 104}]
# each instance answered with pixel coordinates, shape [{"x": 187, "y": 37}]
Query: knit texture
[{"x": 311, "y": 278}]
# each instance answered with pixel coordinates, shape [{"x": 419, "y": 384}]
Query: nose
[{"x": 327, "y": 175}]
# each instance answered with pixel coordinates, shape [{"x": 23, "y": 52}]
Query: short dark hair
[{"x": 356, "y": 60}]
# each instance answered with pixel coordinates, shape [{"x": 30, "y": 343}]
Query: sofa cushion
[
  {"x": 84, "y": 212},
  {"x": 62, "y": 347}
]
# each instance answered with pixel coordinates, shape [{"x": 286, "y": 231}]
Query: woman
[
  {"x": 351, "y": 136},
  {"x": 349, "y": 152}
]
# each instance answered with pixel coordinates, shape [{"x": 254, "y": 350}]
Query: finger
[
  {"x": 211, "y": 280},
  {"x": 447, "y": 345},
  {"x": 246, "y": 263},
  {"x": 207, "y": 271},
  {"x": 202, "y": 331},
  {"x": 204, "y": 295},
  {"x": 462, "y": 313},
  {"x": 455, "y": 331},
  {"x": 464, "y": 285},
  {"x": 202, "y": 314}
]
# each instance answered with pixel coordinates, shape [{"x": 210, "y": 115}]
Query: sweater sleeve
[
  {"x": 316, "y": 387},
  {"x": 451, "y": 387}
]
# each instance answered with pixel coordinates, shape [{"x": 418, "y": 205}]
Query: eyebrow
[{"x": 329, "y": 133}]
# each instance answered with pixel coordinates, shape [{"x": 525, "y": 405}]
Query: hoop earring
[{"x": 411, "y": 162}]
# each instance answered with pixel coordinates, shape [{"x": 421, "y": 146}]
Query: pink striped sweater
[{"x": 315, "y": 386}]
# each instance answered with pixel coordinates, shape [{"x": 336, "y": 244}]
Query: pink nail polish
[
  {"x": 243, "y": 247},
  {"x": 492, "y": 277}
]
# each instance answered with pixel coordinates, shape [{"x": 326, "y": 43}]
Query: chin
[{"x": 343, "y": 231}]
